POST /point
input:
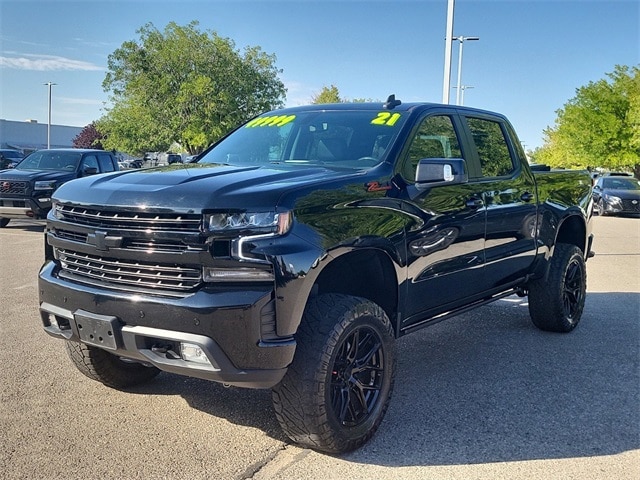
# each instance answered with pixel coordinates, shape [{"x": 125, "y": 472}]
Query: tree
[
  {"x": 89, "y": 137},
  {"x": 185, "y": 86},
  {"x": 599, "y": 127},
  {"x": 327, "y": 95}
]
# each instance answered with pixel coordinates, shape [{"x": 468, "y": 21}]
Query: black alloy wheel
[{"x": 357, "y": 376}]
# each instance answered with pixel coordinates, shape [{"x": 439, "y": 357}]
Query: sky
[{"x": 530, "y": 58}]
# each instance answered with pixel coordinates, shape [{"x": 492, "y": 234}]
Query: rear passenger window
[
  {"x": 492, "y": 147},
  {"x": 106, "y": 163}
]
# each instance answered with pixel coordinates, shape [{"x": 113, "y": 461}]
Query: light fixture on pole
[
  {"x": 50, "y": 84},
  {"x": 461, "y": 39},
  {"x": 463, "y": 88}
]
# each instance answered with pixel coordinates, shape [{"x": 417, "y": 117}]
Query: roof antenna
[{"x": 391, "y": 102}]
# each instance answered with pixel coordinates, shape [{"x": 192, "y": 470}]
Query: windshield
[
  {"x": 11, "y": 154},
  {"x": 50, "y": 160},
  {"x": 343, "y": 138},
  {"x": 621, "y": 183}
]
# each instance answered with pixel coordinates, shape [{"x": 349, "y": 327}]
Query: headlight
[
  {"x": 263, "y": 222},
  {"x": 56, "y": 210},
  {"x": 612, "y": 198},
  {"x": 45, "y": 185}
]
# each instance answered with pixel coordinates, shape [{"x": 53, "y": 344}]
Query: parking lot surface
[{"x": 482, "y": 396}]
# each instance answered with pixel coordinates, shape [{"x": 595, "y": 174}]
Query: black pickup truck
[
  {"x": 296, "y": 250},
  {"x": 25, "y": 191}
]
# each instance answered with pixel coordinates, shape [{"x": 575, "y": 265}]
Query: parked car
[
  {"x": 174, "y": 158},
  {"x": 9, "y": 158},
  {"x": 25, "y": 191},
  {"x": 616, "y": 194}
]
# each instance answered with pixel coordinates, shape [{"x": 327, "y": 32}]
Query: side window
[
  {"x": 106, "y": 163},
  {"x": 90, "y": 161},
  {"x": 492, "y": 147},
  {"x": 435, "y": 138}
]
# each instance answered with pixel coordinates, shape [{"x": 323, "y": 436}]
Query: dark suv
[
  {"x": 9, "y": 158},
  {"x": 25, "y": 191}
]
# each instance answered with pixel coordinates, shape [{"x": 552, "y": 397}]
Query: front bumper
[
  {"x": 24, "y": 207},
  {"x": 234, "y": 327}
]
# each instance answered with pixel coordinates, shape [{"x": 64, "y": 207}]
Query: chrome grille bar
[
  {"x": 139, "y": 274},
  {"x": 130, "y": 220}
]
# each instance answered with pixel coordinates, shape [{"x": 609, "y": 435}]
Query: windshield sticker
[
  {"x": 271, "y": 121},
  {"x": 386, "y": 118}
]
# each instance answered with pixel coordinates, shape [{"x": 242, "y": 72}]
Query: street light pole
[
  {"x": 446, "y": 84},
  {"x": 49, "y": 122},
  {"x": 461, "y": 39}
]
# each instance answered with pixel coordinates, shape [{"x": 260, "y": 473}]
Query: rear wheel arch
[{"x": 573, "y": 231}]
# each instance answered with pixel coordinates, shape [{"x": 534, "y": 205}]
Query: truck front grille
[
  {"x": 126, "y": 220},
  {"x": 121, "y": 273},
  {"x": 13, "y": 188}
]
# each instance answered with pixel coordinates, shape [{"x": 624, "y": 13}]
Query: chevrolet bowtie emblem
[{"x": 102, "y": 241}]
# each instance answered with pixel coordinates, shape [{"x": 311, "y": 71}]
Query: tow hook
[{"x": 165, "y": 350}]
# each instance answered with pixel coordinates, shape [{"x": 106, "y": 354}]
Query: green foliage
[
  {"x": 599, "y": 127},
  {"x": 184, "y": 86},
  {"x": 327, "y": 95},
  {"x": 332, "y": 95}
]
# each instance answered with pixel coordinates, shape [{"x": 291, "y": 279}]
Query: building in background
[{"x": 30, "y": 135}]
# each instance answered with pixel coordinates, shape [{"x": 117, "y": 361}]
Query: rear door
[{"x": 508, "y": 192}]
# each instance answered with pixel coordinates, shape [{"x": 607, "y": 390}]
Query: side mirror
[
  {"x": 440, "y": 171},
  {"x": 89, "y": 171}
]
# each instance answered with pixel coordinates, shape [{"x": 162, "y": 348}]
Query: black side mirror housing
[
  {"x": 89, "y": 171},
  {"x": 432, "y": 172}
]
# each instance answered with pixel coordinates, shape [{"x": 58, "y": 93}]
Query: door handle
[
  {"x": 474, "y": 203},
  {"x": 527, "y": 196}
]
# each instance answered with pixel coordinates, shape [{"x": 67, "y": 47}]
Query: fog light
[{"x": 191, "y": 352}]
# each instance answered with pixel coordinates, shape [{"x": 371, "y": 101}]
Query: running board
[{"x": 452, "y": 313}]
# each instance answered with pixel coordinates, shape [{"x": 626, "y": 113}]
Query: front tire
[
  {"x": 109, "y": 369},
  {"x": 337, "y": 390},
  {"x": 556, "y": 302},
  {"x": 4, "y": 222}
]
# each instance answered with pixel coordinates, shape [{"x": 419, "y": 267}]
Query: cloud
[
  {"x": 298, "y": 93},
  {"x": 80, "y": 101},
  {"x": 46, "y": 63}
]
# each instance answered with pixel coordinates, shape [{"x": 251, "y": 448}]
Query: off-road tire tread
[
  {"x": 545, "y": 294},
  {"x": 104, "y": 367},
  {"x": 298, "y": 399}
]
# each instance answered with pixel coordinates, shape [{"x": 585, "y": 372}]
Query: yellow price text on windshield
[
  {"x": 271, "y": 121},
  {"x": 386, "y": 118}
]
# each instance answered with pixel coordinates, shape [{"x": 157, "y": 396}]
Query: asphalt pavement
[{"x": 484, "y": 395}]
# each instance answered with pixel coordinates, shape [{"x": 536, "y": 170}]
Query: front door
[{"x": 445, "y": 245}]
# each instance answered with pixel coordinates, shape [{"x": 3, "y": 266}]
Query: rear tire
[
  {"x": 337, "y": 390},
  {"x": 557, "y": 301},
  {"x": 4, "y": 222},
  {"x": 109, "y": 369}
]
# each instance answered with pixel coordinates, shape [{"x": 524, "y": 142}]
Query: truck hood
[
  {"x": 191, "y": 188},
  {"x": 17, "y": 175}
]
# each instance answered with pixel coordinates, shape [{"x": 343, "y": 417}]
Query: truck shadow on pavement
[{"x": 486, "y": 387}]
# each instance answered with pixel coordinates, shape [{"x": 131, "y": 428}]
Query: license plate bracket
[{"x": 98, "y": 330}]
